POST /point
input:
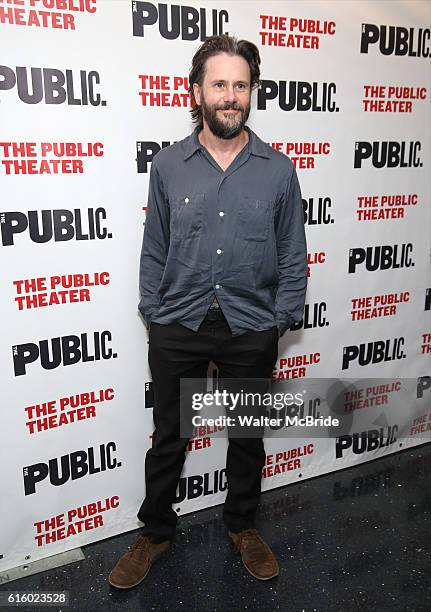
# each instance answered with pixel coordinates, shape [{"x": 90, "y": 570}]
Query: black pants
[{"x": 176, "y": 352}]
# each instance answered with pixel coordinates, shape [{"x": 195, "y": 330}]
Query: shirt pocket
[
  {"x": 255, "y": 217},
  {"x": 187, "y": 215}
]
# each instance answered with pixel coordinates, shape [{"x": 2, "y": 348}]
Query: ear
[{"x": 197, "y": 93}]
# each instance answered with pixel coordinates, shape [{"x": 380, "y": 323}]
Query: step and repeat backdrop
[{"x": 90, "y": 91}]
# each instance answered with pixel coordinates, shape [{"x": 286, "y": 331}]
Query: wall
[{"x": 89, "y": 91}]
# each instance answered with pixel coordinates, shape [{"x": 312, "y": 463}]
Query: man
[{"x": 223, "y": 275}]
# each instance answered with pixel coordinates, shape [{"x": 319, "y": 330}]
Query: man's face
[{"x": 224, "y": 97}]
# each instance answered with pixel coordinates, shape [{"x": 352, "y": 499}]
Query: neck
[{"x": 222, "y": 146}]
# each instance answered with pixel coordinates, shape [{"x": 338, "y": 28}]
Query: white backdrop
[{"x": 76, "y": 412}]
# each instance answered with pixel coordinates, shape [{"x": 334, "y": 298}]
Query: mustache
[{"x": 230, "y": 106}]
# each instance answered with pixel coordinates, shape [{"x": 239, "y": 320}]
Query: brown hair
[{"x": 214, "y": 46}]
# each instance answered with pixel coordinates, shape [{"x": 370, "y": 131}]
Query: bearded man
[{"x": 223, "y": 274}]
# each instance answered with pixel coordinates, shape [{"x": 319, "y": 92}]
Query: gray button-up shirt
[{"x": 236, "y": 234}]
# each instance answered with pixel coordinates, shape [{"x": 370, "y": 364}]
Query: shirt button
[
  {"x": 221, "y": 213},
  {"x": 186, "y": 200},
  {"x": 219, "y": 251},
  {"x": 217, "y": 286}
]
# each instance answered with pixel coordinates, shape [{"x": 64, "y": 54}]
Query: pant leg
[
  {"x": 175, "y": 352},
  {"x": 251, "y": 355}
]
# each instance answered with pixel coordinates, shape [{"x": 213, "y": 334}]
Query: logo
[
  {"x": 384, "y": 257},
  {"x": 396, "y": 40},
  {"x": 423, "y": 384},
  {"x": 146, "y": 150},
  {"x": 378, "y": 207},
  {"x": 373, "y": 352},
  {"x": 175, "y": 21},
  {"x": 286, "y": 461},
  {"x": 62, "y": 351},
  {"x": 52, "y": 86},
  {"x": 298, "y": 95},
  {"x": 364, "y": 485},
  {"x": 70, "y": 467},
  {"x": 59, "y": 225},
  {"x": 200, "y": 485},
  {"x": 149, "y": 394},
  {"x": 54, "y": 290},
  {"x": 294, "y": 366},
  {"x": 316, "y": 212},
  {"x": 315, "y": 258},
  {"x": 314, "y": 316},
  {"x": 47, "y": 157},
  {"x": 164, "y": 90},
  {"x": 62, "y": 17},
  {"x": 366, "y": 441},
  {"x": 388, "y": 154},
  {"x": 66, "y": 410},
  {"x": 426, "y": 344},
  {"x": 372, "y": 306},
  {"x": 304, "y": 155},
  {"x": 391, "y": 98},
  {"x": 295, "y": 32},
  {"x": 76, "y": 520}
]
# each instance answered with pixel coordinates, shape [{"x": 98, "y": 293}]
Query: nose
[{"x": 230, "y": 94}]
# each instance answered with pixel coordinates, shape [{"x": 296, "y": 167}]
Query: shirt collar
[{"x": 256, "y": 145}]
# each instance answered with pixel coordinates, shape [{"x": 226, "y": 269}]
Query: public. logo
[
  {"x": 72, "y": 466},
  {"x": 58, "y": 225},
  {"x": 52, "y": 85},
  {"x": 370, "y": 353},
  {"x": 175, "y": 21},
  {"x": 298, "y": 96},
  {"x": 52, "y": 353},
  {"x": 388, "y": 154},
  {"x": 381, "y": 257},
  {"x": 396, "y": 40}
]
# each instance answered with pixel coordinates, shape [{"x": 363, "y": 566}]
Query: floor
[{"x": 357, "y": 539}]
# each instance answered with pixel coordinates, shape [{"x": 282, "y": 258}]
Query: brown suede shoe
[
  {"x": 134, "y": 566},
  {"x": 257, "y": 556}
]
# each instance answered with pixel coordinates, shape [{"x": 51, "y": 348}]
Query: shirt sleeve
[
  {"x": 155, "y": 246},
  {"x": 292, "y": 257}
]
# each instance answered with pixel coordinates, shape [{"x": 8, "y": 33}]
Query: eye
[{"x": 219, "y": 85}]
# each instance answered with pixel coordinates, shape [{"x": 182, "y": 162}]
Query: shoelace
[
  {"x": 255, "y": 555},
  {"x": 140, "y": 548},
  {"x": 247, "y": 534}
]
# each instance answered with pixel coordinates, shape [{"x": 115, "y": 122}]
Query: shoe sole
[
  {"x": 249, "y": 570},
  {"x": 130, "y": 586}
]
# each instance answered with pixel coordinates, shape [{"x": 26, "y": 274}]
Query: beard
[{"x": 231, "y": 125}]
